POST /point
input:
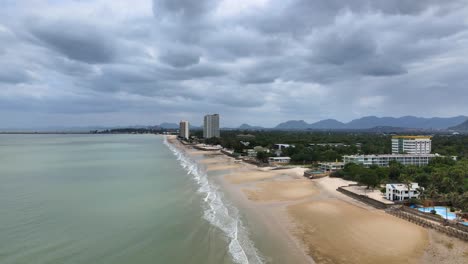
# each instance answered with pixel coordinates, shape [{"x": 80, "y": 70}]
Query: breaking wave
[{"x": 219, "y": 213}]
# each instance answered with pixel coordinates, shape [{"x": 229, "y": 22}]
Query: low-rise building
[
  {"x": 331, "y": 166},
  {"x": 275, "y": 161},
  {"x": 383, "y": 160},
  {"x": 251, "y": 153},
  {"x": 334, "y": 145},
  {"x": 278, "y": 148},
  {"x": 282, "y": 146},
  {"x": 207, "y": 147},
  {"x": 400, "y": 191}
]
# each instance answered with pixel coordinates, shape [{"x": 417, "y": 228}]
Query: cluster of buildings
[
  {"x": 210, "y": 127},
  {"x": 407, "y": 150}
]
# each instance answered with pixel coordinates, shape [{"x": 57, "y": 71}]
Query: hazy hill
[
  {"x": 293, "y": 124},
  {"x": 463, "y": 127},
  {"x": 369, "y": 122},
  {"x": 405, "y": 122},
  {"x": 249, "y": 127},
  {"x": 327, "y": 124}
]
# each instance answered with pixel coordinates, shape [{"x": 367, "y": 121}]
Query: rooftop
[
  {"x": 279, "y": 158},
  {"x": 411, "y": 137},
  {"x": 402, "y": 186},
  {"x": 394, "y": 155}
]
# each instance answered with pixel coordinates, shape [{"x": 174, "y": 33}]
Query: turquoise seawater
[{"x": 111, "y": 199}]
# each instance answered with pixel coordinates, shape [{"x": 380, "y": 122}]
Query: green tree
[{"x": 263, "y": 156}]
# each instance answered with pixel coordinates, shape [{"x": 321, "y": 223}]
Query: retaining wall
[
  {"x": 364, "y": 199},
  {"x": 448, "y": 230},
  {"x": 435, "y": 218}
]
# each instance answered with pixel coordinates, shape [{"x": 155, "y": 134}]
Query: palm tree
[
  {"x": 407, "y": 180},
  {"x": 432, "y": 193},
  {"x": 422, "y": 194}
]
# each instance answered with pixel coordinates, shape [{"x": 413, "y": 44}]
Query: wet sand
[{"x": 287, "y": 190}]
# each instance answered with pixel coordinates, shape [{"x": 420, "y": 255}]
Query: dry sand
[
  {"x": 252, "y": 174},
  {"x": 246, "y": 176},
  {"x": 337, "y": 232},
  {"x": 445, "y": 250}
]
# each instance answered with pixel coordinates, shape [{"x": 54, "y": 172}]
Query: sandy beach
[{"x": 317, "y": 224}]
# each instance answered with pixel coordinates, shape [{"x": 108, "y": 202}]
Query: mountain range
[
  {"x": 369, "y": 122},
  {"x": 463, "y": 127}
]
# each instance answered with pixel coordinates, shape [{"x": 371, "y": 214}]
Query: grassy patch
[{"x": 449, "y": 245}]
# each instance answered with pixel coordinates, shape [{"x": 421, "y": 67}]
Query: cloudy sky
[{"x": 116, "y": 62}]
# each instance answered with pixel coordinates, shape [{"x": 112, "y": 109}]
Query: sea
[{"x": 113, "y": 199}]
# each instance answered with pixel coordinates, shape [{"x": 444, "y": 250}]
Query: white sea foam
[{"x": 219, "y": 213}]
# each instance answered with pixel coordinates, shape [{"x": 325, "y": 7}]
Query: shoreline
[{"x": 308, "y": 221}]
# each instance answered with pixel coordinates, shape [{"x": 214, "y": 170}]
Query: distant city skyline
[{"x": 261, "y": 62}]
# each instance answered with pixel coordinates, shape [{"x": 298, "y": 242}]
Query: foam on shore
[{"x": 220, "y": 213}]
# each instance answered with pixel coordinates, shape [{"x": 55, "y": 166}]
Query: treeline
[
  {"x": 455, "y": 145},
  {"x": 303, "y": 152},
  {"x": 368, "y": 143},
  {"x": 131, "y": 131},
  {"x": 443, "y": 179}
]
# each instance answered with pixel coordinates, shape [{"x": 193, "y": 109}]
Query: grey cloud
[
  {"x": 14, "y": 75},
  {"x": 186, "y": 9},
  {"x": 382, "y": 67},
  {"x": 75, "y": 40},
  {"x": 282, "y": 60},
  {"x": 150, "y": 80},
  {"x": 194, "y": 72},
  {"x": 343, "y": 48},
  {"x": 181, "y": 58}
]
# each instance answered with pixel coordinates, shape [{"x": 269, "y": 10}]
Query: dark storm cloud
[{"x": 272, "y": 59}]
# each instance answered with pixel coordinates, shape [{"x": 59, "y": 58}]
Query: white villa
[{"x": 400, "y": 192}]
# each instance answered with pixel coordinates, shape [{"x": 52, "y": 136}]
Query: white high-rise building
[
  {"x": 416, "y": 145},
  {"x": 211, "y": 126},
  {"x": 184, "y": 129}
]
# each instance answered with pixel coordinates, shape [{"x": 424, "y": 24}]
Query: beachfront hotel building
[
  {"x": 331, "y": 166},
  {"x": 184, "y": 129},
  {"x": 211, "y": 126},
  {"x": 415, "y": 145},
  {"x": 384, "y": 160},
  {"x": 400, "y": 191}
]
